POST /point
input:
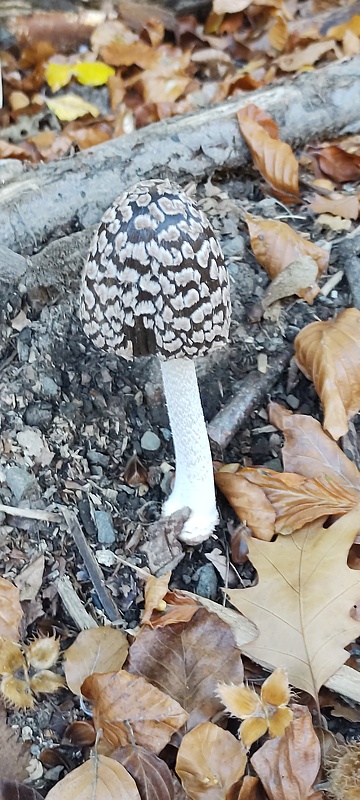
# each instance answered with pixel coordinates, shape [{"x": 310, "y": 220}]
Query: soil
[{"x": 72, "y": 419}]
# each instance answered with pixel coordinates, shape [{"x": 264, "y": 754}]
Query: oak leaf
[
  {"x": 328, "y": 353},
  {"x": 100, "y": 778},
  {"x": 10, "y": 610},
  {"x": 209, "y": 762},
  {"x": 273, "y": 158},
  {"x": 288, "y": 766},
  {"x": 128, "y": 708},
  {"x": 187, "y": 661},
  {"x": 276, "y": 245},
  {"x": 95, "y": 650},
  {"x": 302, "y": 602}
]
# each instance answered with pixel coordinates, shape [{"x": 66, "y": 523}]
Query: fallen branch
[{"x": 52, "y": 199}]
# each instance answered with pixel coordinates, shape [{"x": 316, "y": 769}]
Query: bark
[{"x": 50, "y": 200}]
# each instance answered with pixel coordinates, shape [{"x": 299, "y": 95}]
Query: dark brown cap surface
[{"x": 155, "y": 279}]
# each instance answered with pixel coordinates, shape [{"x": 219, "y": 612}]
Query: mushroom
[{"x": 155, "y": 282}]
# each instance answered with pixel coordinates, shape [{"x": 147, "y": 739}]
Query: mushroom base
[{"x": 194, "y": 478}]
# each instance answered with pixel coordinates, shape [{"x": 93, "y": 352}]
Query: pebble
[
  {"x": 100, "y": 459},
  {"x": 21, "y": 482},
  {"x": 150, "y": 441},
  {"x": 49, "y": 387},
  {"x": 207, "y": 584},
  {"x": 293, "y": 401},
  {"x": 291, "y": 332},
  {"x": 38, "y": 415},
  {"x": 104, "y": 526}
]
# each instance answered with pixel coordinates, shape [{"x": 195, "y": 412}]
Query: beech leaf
[
  {"x": 336, "y": 163},
  {"x": 127, "y": 707},
  {"x": 10, "y": 610},
  {"x": 100, "y": 778},
  {"x": 94, "y": 650},
  {"x": 341, "y": 205},
  {"x": 302, "y": 601},
  {"x": 187, "y": 661},
  {"x": 276, "y": 245},
  {"x": 248, "y": 500},
  {"x": 288, "y": 766},
  {"x": 151, "y": 775},
  {"x": 209, "y": 762},
  {"x": 12, "y": 790},
  {"x": 273, "y": 158},
  {"x": 328, "y": 353}
]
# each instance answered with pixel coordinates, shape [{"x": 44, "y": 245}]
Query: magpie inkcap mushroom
[{"x": 155, "y": 283}]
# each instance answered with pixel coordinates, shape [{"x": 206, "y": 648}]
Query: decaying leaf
[
  {"x": 328, "y": 353},
  {"x": 209, "y": 762},
  {"x": 10, "y": 610},
  {"x": 187, "y": 661},
  {"x": 273, "y": 158},
  {"x": 95, "y": 650},
  {"x": 305, "y": 57},
  {"x": 302, "y": 602},
  {"x": 288, "y": 766},
  {"x": 269, "y": 712},
  {"x": 295, "y": 278},
  {"x": 276, "y": 245},
  {"x": 100, "y": 778},
  {"x": 342, "y": 205},
  {"x": 151, "y": 775},
  {"x": 335, "y": 163},
  {"x": 128, "y": 708}
]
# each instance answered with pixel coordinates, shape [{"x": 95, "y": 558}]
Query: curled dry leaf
[
  {"x": 209, "y": 762},
  {"x": 10, "y": 610},
  {"x": 155, "y": 588},
  {"x": 95, "y": 650},
  {"x": 335, "y": 163},
  {"x": 288, "y": 766},
  {"x": 274, "y": 159},
  {"x": 151, "y": 775},
  {"x": 178, "y": 608},
  {"x": 188, "y": 660},
  {"x": 248, "y": 500},
  {"x": 305, "y": 57},
  {"x": 100, "y": 778},
  {"x": 296, "y": 277},
  {"x": 276, "y": 245},
  {"x": 302, "y": 601},
  {"x": 340, "y": 205},
  {"x": 328, "y": 353},
  {"x": 128, "y": 708}
]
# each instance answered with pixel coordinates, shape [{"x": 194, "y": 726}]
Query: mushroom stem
[{"x": 194, "y": 479}]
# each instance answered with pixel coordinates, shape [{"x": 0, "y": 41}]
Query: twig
[
  {"x": 73, "y": 605},
  {"x": 95, "y": 574},
  {"x": 31, "y": 513},
  {"x": 248, "y": 394}
]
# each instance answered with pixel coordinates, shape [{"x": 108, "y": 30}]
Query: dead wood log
[{"x": 51, "y": 200}]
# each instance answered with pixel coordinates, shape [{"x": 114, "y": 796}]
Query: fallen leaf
[
  {"x": 151, "y": 775},
  {"x": 339, "y": 31},
  {"x": 305, "y": 57},
  {"x": 187, "y": 661},
  {"x": 342, "y": 205},
  {"x": 334, "y": 223},
  {"x": 288, "y": 766},
  {"x": 256, "y": 114},
  {"x": 178, "y": 608},
  {"x": 230, "y": 6},
  {"x": 250, "y": 789},
  {"x": 70, "y": 107},
  {"x": 17, "y": 791},
  {"x": 274, "y": 159},
  {"x": 302, "y": 602},
  {"x": 24, "y": 151},
  {"x": 92, "y": 73},
  {"x": 276, "y": 245},
  {"x": 309, "y": 451},
  {"x": 99, "y": 650},
  {"x": 10, "y": 610},
  {"x": 154, "y": 591},
  {"x": 328, "y": 353},
  {"x": 209, "y": 762},
  {"x": 100, "y": 778},
  {"x": 128, "y": 708},
  {"x": 29, "y": 580},
  {"x": 295, "y": 278},
  {"x": 14, "y": 755},
  {"x": 58, "y": 75},
  {"x": 248, "y": 500},
  {"x": 335, "y": 163}
]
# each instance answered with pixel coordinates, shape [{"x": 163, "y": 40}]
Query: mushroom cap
[{"x": 155, "y": 280}]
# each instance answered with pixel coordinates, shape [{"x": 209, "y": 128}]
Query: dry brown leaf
[
  {"x": 256, "y": 114},
  {"x": 305, "y": 57},
  {"x": 128, "y": 708},
  {"x": 249, "y": 502},
  {"x": 96, "y": 650},
  {"x": 12, "y": 790},
  {"x": 335, "y": 163},
  {"x": 178, "y": 609},
  {"x": 29, "y": 580},
  {"x": 302, "y": 602},
  {"x": 276, "y": 245},
  {"x": 274, "y": 159},
  {"x": 288, "y": 766},
  {"x": 154, "y": 591},
  {"x": 187, "y": 661},
  {"x": 14, "y": 754},
  {"x": 209, "y": 762},
  {"x": 295, "y": 499},
  {"x": 342, "y": 205},
  {"x": 250, "y": 789},
  {"x": 297, "y": 277},
  {"x": 151, "y": 775},
  {"x": 10, "y": 610},
  {"x": 309, "y": 451},
  {"x": 100, "y": 778},
  {"x": 24, "y": 151},
  {"x": 328, "y": 353}
]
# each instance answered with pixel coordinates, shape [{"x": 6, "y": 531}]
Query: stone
[
  {"x": 104, "y": 526},
  {"x": 21, "y": 483},
  {"x": 150, "y": 441}
]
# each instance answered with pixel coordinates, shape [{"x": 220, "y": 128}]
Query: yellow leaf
[
  {"x": 70, "y": 107},
  {"x": 302, "y": 602},
  {"x": 58, "y": 75},
  {"x": 92, "y": 73}
]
